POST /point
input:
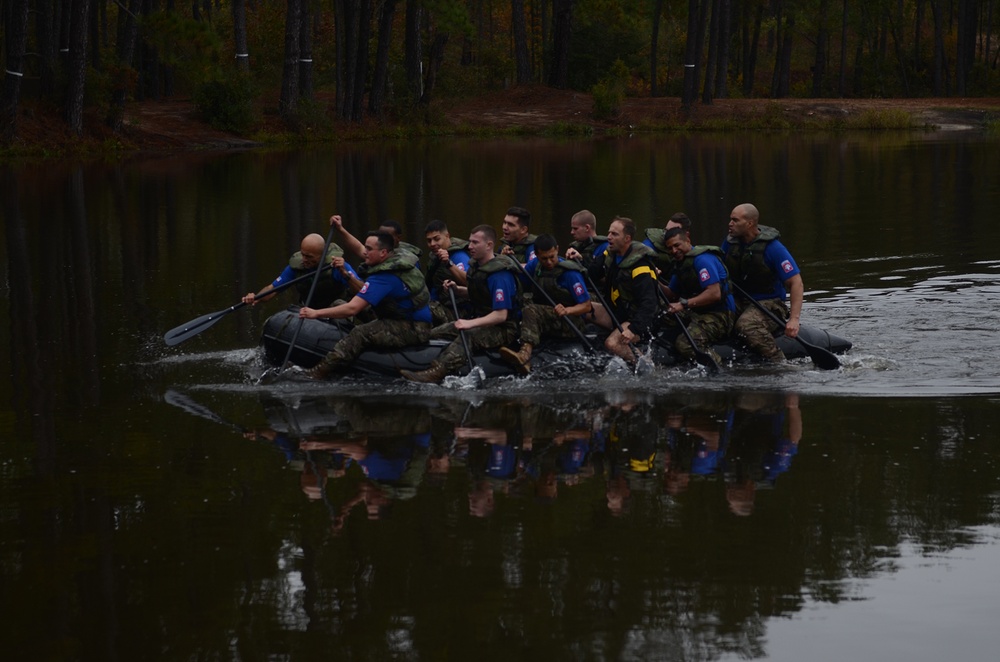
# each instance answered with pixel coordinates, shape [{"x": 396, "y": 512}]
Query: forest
[{"x": 391, "y": 58}]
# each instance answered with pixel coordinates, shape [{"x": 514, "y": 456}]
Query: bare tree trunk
[
  {"x": 750, "y": 62},
  {"x": 361, "y": 71},
  {"x": 725, "y": 37},
  {"x": 562, "y": 34},
  {"x": 240, "y": 35},
  {"x": 77, "y": 65},
  {"x": 306, "y": 53},
  {"x": 654, "y": 47},
  {"x": 48, "y": 48},
  {"x": 938, "y": 78},
  {"x": 842, "y": 84},
  {"x": 434, "y": 60},
  {"x": 288, "y": 102},
  {"x": 819, "y": 64},
  {"x": 414, "y": 51},
  {"x": 380, "y": 79},
  {"x": 713, "y": 51},
  {"x": 128, "y": 29},
  {"x": 691, "y": 54},
  {"x": 521, "y": 60},
  {"x": 785, "y": 59},
  {"x": 16, "y": 34},
  {"x": 966, "y": 48}
]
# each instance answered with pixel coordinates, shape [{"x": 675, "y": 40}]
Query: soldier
[
  {"x": 329, "y": 288},
  {"x": 655, "y": 239},
  {"x": 764, "y": 269},
  {"x": 395, "y": 288},
  {"x": 699, "y": 292},
  {"x": 518, "y": 241},
  {"x": 586, "y": 244},
  {"x": 494, "y": 293},
  {"x": 449, "y": 261},
  {"x": 562, "y": 281}
]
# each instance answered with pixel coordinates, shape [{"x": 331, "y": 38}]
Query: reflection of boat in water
[{"x": 317, "y": 337}]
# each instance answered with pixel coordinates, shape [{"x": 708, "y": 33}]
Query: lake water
[{"x": 156, "y": 503}]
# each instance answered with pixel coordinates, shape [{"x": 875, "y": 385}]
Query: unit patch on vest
[
  {"x": 786, "y": 266},
  {"x": 703, "y": 275}
]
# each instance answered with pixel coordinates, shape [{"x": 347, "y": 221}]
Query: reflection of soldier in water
[
  {"x": 696, "y": 443},
  {"x": 765, "y": 439},
  {"x": 631, "y": 451}
]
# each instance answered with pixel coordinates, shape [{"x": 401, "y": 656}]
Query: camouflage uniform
[
  {"x": 440, "y": 313},
  {"x": 706, "y": 329},
  {"x": 758, "y": 330},
  {"x": 483, "y": 337},
  {"x": 540, "y": 321},
  {"x": 709, "y": 324}
]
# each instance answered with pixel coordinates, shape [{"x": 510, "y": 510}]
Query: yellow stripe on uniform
[{"x": 638, "y": 271}]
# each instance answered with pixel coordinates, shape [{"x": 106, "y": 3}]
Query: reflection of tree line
[{"x": 518, "y": 449}]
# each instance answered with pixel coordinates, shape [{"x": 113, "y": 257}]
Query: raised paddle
[
  {"x": 569, "y": 322},
  {"x": 701, "y": 356},
  {"x": 461, "y": 334},
  {"x": 186, "y": 331},
  {"x": 822, "y": 358},
  {"x": 265, "y": 378}
]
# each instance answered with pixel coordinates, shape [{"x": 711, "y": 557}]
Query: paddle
[
  {"x": 182, "y": 401},
  {"x": 190, "y": 329},
  {"x": 461, "y": 333},
  {"x": 265, "y": 378},
  {"x": 822, "y": 358},
  {"x": 576, "y": 329},
  {"x": 702, "y": 357}
]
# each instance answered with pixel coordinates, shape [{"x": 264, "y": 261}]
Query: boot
[
  {"x": 324, "y": 368},
  {"x": 521, "y": 360},
  {"x": 432, "y": 375}
]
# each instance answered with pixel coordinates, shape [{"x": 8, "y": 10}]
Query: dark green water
[{"x": 156, "y": 504}]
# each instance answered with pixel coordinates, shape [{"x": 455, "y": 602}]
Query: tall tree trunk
[
  {"x": 434, "y": 59},
  {"x": 380, "y": 78},
  {"x": 288, "y": 102},
  {"x": 785, "y": 70},
  {"x": 900, "y": 58},
  {"x": 414, "y": 51},
  {"x": 750, "y": 63},
  {"x": 240, "y": 35},
  {"x": 819, "y": 64},
  {"x": 938, "y": 77},
  {"x": 521, "y": 61},
  {"x": 306, "y": 52},
  {"x": 654, "y": 42},
  {"x": 361, "y": 70},
  {"x": 128, "y": 29},
  {"x": 562, "y": 34},
  {"x": 77, "y": 65},
  {"x": 966, "y": 48},
  {"x": 725, "y": 37},
  {"x": 46, "y": 23},
  {"x": 779, "y": 32},
  {"x": 16, "y": 41},
  {"x": 713, "y": 51},
  {"x": 842, "y": 83},
  {"x": 691, "y": 56}
]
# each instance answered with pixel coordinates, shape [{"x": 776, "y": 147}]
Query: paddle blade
[
  {"x": 823, "y": 358},
  {"x": 179, "y": 334}
]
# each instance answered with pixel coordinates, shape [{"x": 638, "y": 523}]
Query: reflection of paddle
[
  {"x": 461, "y": 334},
  {"x": 189, "y": 330},
  {"x": 702, "y": 357},
  {"x": 182, "y": 401},
  {"x": 576, "y": 329},
  {"x": 266, "y": 378},
  {"x": 822, "y": 358}
]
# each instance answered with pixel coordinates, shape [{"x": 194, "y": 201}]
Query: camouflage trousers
[
  {"x": 484, "y": 337},
  {"x": 757, "y": 329},
  {"x": 706, "y": 329},
  {"x": 380, "y": 333},
  {"x": 440, "y": 313},
  {"x": 539, "y": 320}
]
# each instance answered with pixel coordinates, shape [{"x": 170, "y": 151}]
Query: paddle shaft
[
  {"x": 823, "y": 358},
  {"x": 611, "y": 314},
  {"x": 312, "y": 288},
  {"x": 461, "y": 333},
  {"x": 576, "y": 329},
  {"x": 186, "y": 331}
]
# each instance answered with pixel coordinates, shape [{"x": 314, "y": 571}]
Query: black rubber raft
[{"x": 317, "y": 337}]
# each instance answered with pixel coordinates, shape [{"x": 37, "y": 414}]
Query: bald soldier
[{"x": 331, "y": 285}]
